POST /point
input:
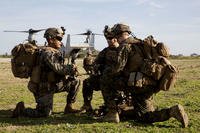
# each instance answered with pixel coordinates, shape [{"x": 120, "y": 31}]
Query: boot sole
[{"x": 184, "y": 116}]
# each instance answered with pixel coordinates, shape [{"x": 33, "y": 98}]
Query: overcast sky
[{"x": 174, "y": 22}]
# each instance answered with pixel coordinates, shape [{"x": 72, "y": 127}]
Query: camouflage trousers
[
  {"x": 112, "y": 89},
  {"x": 142, "y": 100},
  {"x": 89, "y": 85},
  {"x": 43, "y": 95},
  {"x": 143, "y": 108}
]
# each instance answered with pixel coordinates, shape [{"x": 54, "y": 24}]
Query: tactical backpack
[
  {"x": 162, "y": 71},
  {"x": 149, "y": 66},
  {"x": 156, "y": 65},
  {"x": 23, "y": 59},
  {"x": 153, "y": 49}
]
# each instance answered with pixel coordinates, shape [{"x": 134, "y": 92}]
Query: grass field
[{"x": 13, "y": 90}]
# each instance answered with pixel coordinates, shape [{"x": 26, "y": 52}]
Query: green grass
[{"x": 13, "y": 90}]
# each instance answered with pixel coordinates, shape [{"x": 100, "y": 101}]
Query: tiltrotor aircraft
[
  {"x": 71, "y": 50},
  {"x": 31, "y": 34}
]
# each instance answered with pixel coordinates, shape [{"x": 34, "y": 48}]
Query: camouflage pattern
[
  {"x": 88, "y": 64},
  {"x": 142, "y": 98},
  {"x": 144, "y": 110},
  {"x": 112, "y": 69},
  {"x": 89, "y": 85},
  {"x": 54, "y": 33},
  {"x": 120, "y": 28},
  {"x": 93, "y": 82},
  {"x": 52, "y": 80},
  {"x": 106, "y": 68},
  {"x": 110, "y": 62}
]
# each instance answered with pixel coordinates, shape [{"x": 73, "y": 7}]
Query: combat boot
[
  {"x": 111, "y": 116},
  {"x": 19, "y": 109},
  {"x": 69, "y": 109},
  {"x": 179, "y": 113}
]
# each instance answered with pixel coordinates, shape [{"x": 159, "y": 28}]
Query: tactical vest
[
  {"x": 43, "y": 79},
  {"x": 41, "y": 72}
]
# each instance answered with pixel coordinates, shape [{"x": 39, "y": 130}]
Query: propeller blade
[
  {"x": 89, "y": 34},
  {"x": 30, "y": 31},
  {"x": 98, "y": 34},
  {"x": 35, "y": 31},
  {"x": 83, "y": 34},
  {"x": 15, "y": 31}
]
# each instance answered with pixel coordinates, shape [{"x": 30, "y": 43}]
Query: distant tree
[
  {"x": 6, "y": 55},
  {"x": 194, "y": 55},
  {"x": 180, "y": 55}
]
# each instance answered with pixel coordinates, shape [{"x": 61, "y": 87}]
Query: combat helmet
[
  {"x": 108, "y": 32},
  {"x": 57, "y": 33},
  {"x": 120, "y": 28}
]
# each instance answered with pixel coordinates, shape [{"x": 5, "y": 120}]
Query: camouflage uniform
[
  {"x": 142, "y": 97},
  {"x": 52, "y": 80},
  {"x": 89, "y": 85},
  {"x": 104, "y": 67},
  {"x": 93, "y": 82},
  {"x": 109, "y": 66},
  {"x": 130, "y": 60},
  {"x": 110, "y": 78},
  {"x": 49, "y": 77}
]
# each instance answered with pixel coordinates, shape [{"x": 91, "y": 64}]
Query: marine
[
  {"x": 102, "y": 64},
  {"x": 110, "y": 77},
  {"x": 50, "y": 76},
  {"x": 88, "y": 63},
  {"x": 142, "y": 94}
]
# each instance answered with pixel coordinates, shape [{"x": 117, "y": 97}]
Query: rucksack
[
  {"x": 149, "y": 64},
  {"x": 23, "y": 59},
  {"x": 161, "y": 71},
  {"x": 169, "y": 78},
  {"x": 153, "y": 49}
]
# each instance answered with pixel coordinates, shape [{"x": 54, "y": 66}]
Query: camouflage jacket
[
  {"x": 110, "y": 61},
  {"x": 52, "y": 65}
]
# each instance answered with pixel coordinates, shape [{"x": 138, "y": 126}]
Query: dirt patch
[
  {"x": 5, "y": 59},
  {"x": 11, "y": 128}
]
